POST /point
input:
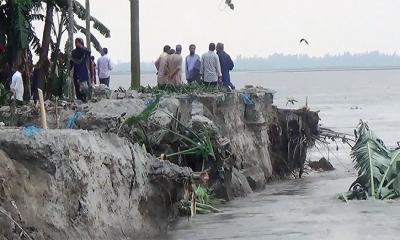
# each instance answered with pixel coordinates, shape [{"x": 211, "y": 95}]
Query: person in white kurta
[{"x": 17, "y": 85}]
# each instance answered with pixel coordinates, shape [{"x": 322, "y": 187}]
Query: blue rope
[
  {"x": 73, "y": 119},
  {"x": 246, "y": 99},
  {"x": 31, "y": 131}
]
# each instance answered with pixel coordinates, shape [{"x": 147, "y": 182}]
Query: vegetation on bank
[
  {"x": 195, "y": 88},
  {"x": 184, "y": 145},
  {"x": 378, "y": 168},
  {"x": 19, "y": 40}
]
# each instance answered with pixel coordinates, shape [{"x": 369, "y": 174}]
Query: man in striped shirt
[{"x": 210, "y": 67}]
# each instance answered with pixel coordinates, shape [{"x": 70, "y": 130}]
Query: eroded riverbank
[{"x": 94, "y": 181}]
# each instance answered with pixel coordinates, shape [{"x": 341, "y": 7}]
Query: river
[{"x": 308, "y": 208}]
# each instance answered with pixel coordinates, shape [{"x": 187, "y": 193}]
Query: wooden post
[
  {"x": 43, "y": 116},
  {"x": 193, "y": 205},
  {"x": 70, "y": 28},
  {"x": 135, "y": 45}
]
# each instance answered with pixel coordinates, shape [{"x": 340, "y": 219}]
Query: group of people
[
  {"x": 84, "y": 69},
  {"x": 212, "y": 68}
]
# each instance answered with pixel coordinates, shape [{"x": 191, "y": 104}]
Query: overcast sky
[{"x": 255, "y": 27}]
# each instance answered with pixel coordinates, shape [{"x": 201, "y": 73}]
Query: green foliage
[
  {"x": 80, "y": 11},
  {"x": 189, "y": 89},
  {"x": 195, "y": 144},
  {"x": 198, "y": 145},
  {"x": 205, "y": 201},
  {"x": 202, "y": 195},
  {"x": 378, "y": 168},
  {"x": 145, "y": 114},
  {"x": 4, "y": 95}
]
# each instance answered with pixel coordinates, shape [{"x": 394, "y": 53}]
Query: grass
[{"x": 194, "y": 88}]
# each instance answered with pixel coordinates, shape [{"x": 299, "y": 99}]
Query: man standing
[
  {"x": 174, "y": 66},
  {"x": 226, "y": 66},
  {"x": 104, "y": 66},
  {"x": 80, "y": 62},
  {"x": 17, "y": 85},
  {"x": 193, "y": 65},
  {"x": 210, "y": 67},
  {"x": 165, "y": 53}
]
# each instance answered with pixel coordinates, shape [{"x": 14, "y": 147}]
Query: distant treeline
[
  {"x": 345, "y": 60},
  {"x": 294, "y": 62}
]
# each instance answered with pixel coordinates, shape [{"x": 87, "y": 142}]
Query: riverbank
[{"x": 100, "y": 179}]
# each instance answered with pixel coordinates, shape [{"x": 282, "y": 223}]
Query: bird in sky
[
  {"x": 291, "y": 100},
  {"x": 304, "y": 40}
]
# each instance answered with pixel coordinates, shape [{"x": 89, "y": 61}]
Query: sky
[{"x": 255, "y": 28}]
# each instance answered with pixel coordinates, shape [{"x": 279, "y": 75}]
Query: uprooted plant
[
  {"x": 203, "y": 203},
  {"x": 378, "y": 168},
  {"x": 192, "y": 144},
  {"x": 140, "y": 119}
]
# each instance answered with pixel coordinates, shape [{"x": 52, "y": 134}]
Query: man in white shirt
[
  {"x": 210, "y": 67},
  {"x": 104, "y": 66},
  {"x": 17, "y": 85}
]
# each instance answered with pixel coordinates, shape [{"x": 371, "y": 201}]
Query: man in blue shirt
[
  {"x": 226, "y": 66},
  {"x": 192, "y": 65}
]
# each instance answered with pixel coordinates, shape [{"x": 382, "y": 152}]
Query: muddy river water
[{"x": 308, "y": 208}]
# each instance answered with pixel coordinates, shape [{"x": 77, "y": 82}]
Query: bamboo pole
[{"x": 43, "y": 116}]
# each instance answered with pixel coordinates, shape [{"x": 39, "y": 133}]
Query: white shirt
[
  {"x": 104, "y": 66},
  {"x": 210, "y": 67},
  {"x": 17, "y": 85}
]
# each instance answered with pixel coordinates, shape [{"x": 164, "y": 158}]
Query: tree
[{"x": 60, "y": 7}]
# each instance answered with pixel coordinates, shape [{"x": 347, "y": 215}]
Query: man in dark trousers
[
  {"x": 226, "y": 66},
  {"x": 80, "y": 62}
]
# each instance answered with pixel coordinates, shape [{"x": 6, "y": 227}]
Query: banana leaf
[
  {"x": 145, "y": 114},
  {"x": 378, "y": 168}
]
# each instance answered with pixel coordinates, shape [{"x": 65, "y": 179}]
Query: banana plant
[{"x": 378, "y": 167}]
